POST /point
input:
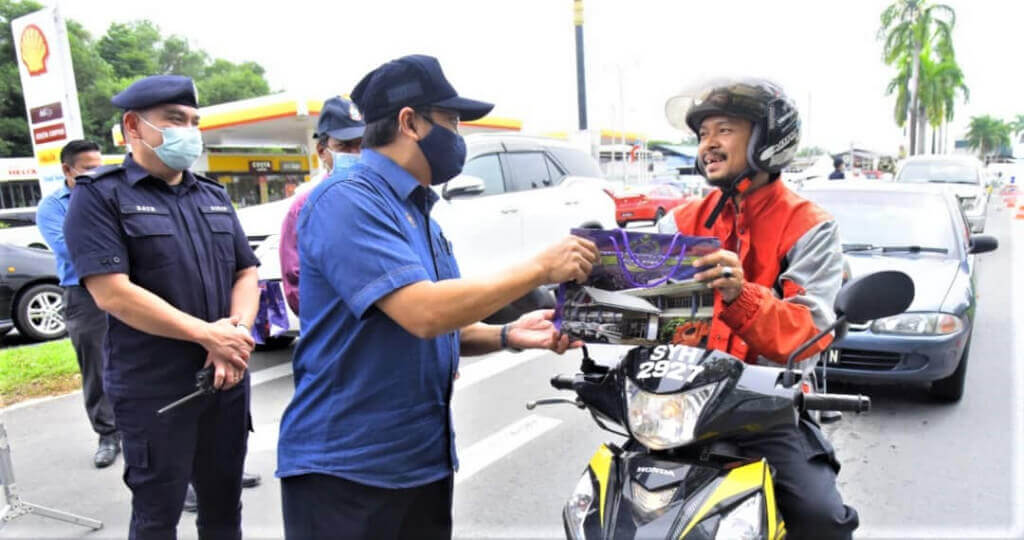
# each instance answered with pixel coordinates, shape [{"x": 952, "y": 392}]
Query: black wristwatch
[{"x": 504, "y": 340}]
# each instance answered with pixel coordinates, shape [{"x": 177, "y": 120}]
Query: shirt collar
[
  {"x": 134, "y": 173},
  {"x": 399, "y": 179},
  {"x": 759, "y": 199},
  {"x": 64, "y": 192}
]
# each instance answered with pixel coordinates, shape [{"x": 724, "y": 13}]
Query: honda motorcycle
[{"x": 679, "y": 474}]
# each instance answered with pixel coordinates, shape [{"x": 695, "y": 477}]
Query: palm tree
[
  {"x": 940, "y": 83},
  {"x": 908, "y": 26},
  {"x": 1017, "y": 127},
  {"x": 987, "y": 134}
]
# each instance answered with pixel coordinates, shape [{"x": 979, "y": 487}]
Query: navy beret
[
  {"x": 412, "y": 81},
  {"x": 157, "y": 90}
]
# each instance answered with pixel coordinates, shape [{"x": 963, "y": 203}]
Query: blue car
[{"x": 923, "y": 232}]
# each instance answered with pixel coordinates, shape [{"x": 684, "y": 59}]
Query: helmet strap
[{"x": 738, "y": 186}]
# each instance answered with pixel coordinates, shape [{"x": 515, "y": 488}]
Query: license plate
[{"x": 627, "y": 214}]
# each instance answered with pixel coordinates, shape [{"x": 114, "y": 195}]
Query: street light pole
[{"x": 581, "y": 79}]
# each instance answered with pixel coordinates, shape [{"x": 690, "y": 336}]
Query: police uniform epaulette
[
  {"x": 208, "y": 180},
  {"x": 98, "y": 173}
]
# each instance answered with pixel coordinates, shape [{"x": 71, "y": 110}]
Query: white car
[
  {"x": 18, "y": 228},
  {"x": 964, "y": 176},
  {"x": 516, "y": 196}
]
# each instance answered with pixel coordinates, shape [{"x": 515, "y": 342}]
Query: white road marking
[{"x": 498, "y": 445}]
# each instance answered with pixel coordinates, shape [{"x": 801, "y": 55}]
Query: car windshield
[
  {"x": 904, "y": 222},
  {"x": 949, "y": 172}
]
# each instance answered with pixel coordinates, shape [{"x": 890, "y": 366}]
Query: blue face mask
[
  {"x": 445, "y": 151},
  {"x": 181, "y": 148},
  {"x": 343, "y": 161}
]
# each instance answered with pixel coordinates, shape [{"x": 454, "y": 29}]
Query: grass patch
[{"x": 39, "y": 370}]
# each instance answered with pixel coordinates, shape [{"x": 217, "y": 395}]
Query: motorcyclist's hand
[
  {"x": 725, "y": 273},
  {"x": 535, "y": 330},
  {"x": 572, "y": 259},
  {"x": 225, "y": 341},
  {"x": 225, "y": 374}
]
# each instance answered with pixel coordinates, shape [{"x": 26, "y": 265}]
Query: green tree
[
  {"x": 987, "y": 134},
  {"x": 941, "y": 82},
  {"x": 908, "y": 28},
  {"x": 105, "y": 66},
  {"x": 1017, "y": 127}
]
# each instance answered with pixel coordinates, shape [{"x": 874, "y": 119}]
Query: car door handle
[
  {"x": 510, "y": 211},
  {"x": 570, "y": 203}
]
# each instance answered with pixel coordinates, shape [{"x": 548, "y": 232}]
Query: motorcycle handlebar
[
  {"x": 562, "y": 382},
  {"x": 836, "y": 402}
]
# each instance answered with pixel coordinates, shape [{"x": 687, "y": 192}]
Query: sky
[{"x": 520, "y": 54}]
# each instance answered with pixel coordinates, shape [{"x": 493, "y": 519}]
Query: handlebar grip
[
  {"x": 563, "y": 382},
  {"x": 836, "y": 402}
]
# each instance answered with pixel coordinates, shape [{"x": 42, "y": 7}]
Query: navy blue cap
[
  {"x": 157, "y": 90},
  {"x": 412, "y": 81},
  {"x": 339, "y": 118}
]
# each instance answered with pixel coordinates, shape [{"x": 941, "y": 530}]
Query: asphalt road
[{"x": 913, "y": 468}]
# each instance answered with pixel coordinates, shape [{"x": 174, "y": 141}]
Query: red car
[{"x": 651, "y": 204}]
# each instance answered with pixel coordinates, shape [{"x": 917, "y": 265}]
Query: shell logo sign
[{"x": 35, "y": 51}]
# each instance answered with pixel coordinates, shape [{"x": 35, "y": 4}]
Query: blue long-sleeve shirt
[{"x": 50, "y": 220}]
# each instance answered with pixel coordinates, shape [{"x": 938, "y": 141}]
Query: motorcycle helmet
[{"x": 775, "y": 133}]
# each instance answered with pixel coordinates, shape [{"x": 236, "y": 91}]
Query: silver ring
[{"x": 727, "y": 272}]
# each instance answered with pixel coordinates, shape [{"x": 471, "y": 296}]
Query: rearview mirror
[
  {"x": 983, "y": 243},
  {"x": 463, "y": 185},
  {"x": 877, "y": 295}
]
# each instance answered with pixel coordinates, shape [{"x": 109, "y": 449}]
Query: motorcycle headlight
[
  {"x": 651, "y": 503},
  {"x": 743, "y": 522},
  {"x": 580, "y": 504},
  {"x": 919, "y": 324},
  {"x": 665, "y": 421}
]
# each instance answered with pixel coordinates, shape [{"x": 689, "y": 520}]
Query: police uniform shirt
[{"x": 183, "y": 244}]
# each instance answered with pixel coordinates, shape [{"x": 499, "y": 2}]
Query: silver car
[{"x": 964, "y": 176}]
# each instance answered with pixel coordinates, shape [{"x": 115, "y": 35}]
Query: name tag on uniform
[
  {"x": 141, "y": 209},
  {"x": 216, "y": 209}
]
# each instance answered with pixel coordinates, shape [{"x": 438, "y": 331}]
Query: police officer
[
  {"x": 366, "y": 448},
  {"x": 161, "y": 251}
]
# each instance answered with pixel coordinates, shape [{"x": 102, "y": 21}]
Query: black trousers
[
  {"x": 87, "y": 328},
  {"x": 203, "y": 441},
  {"x": 320, "y": 506},
  {"x": 805, "y": 481}
]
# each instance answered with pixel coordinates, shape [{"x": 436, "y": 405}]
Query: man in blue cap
[
  {"x": 339, "y": 133},
  {"x": 367, "y": 448},
  {"x": 161, "y": 251}
]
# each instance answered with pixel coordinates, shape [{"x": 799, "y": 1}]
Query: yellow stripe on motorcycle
[
  {"x": 601, "y": 464},
  {"x": 774, "y": 521},
  {"x": 739, "y": 480}
]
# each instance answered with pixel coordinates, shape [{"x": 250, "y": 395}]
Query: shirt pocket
[
  {"x": 150, "y": 233},
  {"x": 222, "y": 230},
  {"x": 446, "y": 266}
]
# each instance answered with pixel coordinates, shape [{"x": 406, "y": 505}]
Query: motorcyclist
[{"x": 776, "y": 277}]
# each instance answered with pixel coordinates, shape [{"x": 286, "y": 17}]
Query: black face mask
[{"x": 445, "y": 151}]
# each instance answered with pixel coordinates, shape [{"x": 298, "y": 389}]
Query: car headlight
[
  {"x": 919, "y": 324},
  {"x": 743, "y": 522},
  {"x": 665, "y": 421},
  {"x": 580, "y": 504}
]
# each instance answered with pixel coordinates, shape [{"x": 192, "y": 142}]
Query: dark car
[
  {"x": 31, "y": 298},
  {"x": 924, "y": 233}
]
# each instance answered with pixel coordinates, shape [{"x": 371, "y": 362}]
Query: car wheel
[
  {"x": 951, "y": 388},
  {"x": 39, "y": 314},
  {"x": 275, "y": 343},
  {"x": 659, "y": 214}
]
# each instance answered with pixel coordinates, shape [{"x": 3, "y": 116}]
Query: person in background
[
  {"x": 86, "y": 323},
  {"x": 837, "y": 174},
  {"x": 339, "y": 133}
]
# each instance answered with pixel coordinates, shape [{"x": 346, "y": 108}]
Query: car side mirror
[
  {"x": 983, "y": 243},
  {"x": 463, "y": 185},
  {"x": 874, "y": 296}
]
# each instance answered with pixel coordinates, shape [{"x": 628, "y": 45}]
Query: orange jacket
[{"x": 792, "y": 261}]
